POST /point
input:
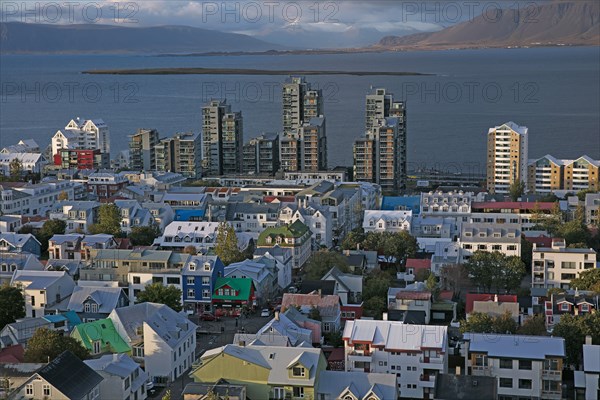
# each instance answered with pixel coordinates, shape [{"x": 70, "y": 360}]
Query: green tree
[
  {"x": 516, "y": 190},
  {"x": 322, "y": 261},
  {"x": 157, "y": 293},
  {"x": 190, "y": 250},
  {"x": 477, "y": 323},
  {"x": 400, "y": 245},
  {"x": 12, "y": 305},
  {"x": 454, "y": 277},
  {"x": 534, "y": 326},
  {"x": 315, "y": 314},
  {"x": 46, "y": 344},
  {"x": 582, "y": 193},
  {"x": 504, "y": 323},
  {"x": 495, "y": 270},
  {"x": 353, "y": 239},
  {"x": 144, "y": 235},
  {"x": 15, "y": 169},
  {"x": 109, "y": 220},
  {"x": 63, "y": 196},
  {"x": 334, "y": 339},
  {"x": 50, "y": 228},
  {"x": 375, "y": 291},
  {"x": 526, "y": 252},
  {"x": 432, "y": 285},
  {"x": 587, "y": 280},
  {"x": 226, "y": 244},
  {"x": 573, "y": 330}
]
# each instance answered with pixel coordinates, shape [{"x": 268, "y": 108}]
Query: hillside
[
  {"x": 557, "y": 23},
  {"x": 24, "y": 38}
]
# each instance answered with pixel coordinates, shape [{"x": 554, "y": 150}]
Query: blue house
[{"x": 198, "y": 279}]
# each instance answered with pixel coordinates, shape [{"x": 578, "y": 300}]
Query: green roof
[
  {"x": 243, "y": 287},
  {"x": 102, "y": 330},
  {"x": 295, "y": 231}
]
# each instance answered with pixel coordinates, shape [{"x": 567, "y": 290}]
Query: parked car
[
  {"x": 207, "y": 316},
  {"x": 265, "y": 312}
]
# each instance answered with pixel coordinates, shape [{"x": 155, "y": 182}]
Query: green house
[
  {"x": 296, "y": 236},
  {"x": 268, "y": 372},
  {"x": 231, "y": 294},
  {"x": 100, "y": 337}
]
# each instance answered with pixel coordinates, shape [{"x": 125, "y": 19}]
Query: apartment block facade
[
  {"x": 507, "y": 150},
  {"x": 549, "y": 174},
  {"x": 554, "y": 267},
  {"x": 261, "y": 155},
  {"x": 222, "y": 139},
  {"x": 180, "y": 154},
  {"x": 142, "y": 147}
]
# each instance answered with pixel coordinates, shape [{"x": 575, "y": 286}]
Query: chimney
[
  {"x": 588, "y": 339},
  {"x": 457, "y": 370},
  {"x": 495, "y": 298},
  {"x": 276, "y": 315},
  {"x": 384, "y": 316},
  {"x": 242, "y": 343}
]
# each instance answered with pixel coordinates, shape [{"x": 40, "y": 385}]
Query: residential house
[
  {"x": 387, "y": 221},
  {"x": 20, "y": 331},
  {"x": 268, "y": 372},
  {"x": 318, "y": 219},
  {"x": 78, "y": 215},
  {"x": 493, "y": 305},
  {"x": 200, "y": 391},
  {"x": 263, "y": 274},
  {"x": 592, "y": 208},
  {"x": 524, "y": 366},
  {"x": 445, "y": 254},
  {"x": 587, "y": 382},
  {"x": 409, "y": 306},
  {"x": 163, "y": 214},
  {"x": 11, "y": 262},
  {"x": 415, "y": 353},
  {"x": 357, "y": 385},
  {"x": 490, "y": 237},
  {"x": 123, "y": 379},
  {"x": 97, "y": 242},
  {"x": 281, "y": 326},
  {"x": 329, "y": 308},
  {"x": 18, "y": 243},
  {"x": 162, "y": 339},
  {"x": 100, "y": 337},
  {"x": 71, "y": 267},
  {"x": 296, "y": 237},
  {"x": 283, "y": 261},
  {"x": 65, "y": 247},
  {"x": 30, "y": 163},
  {"x": 58, "y": 380},
  {"x": 42, "y": 289},
  {"x": 232, "y": 295},
  {"x": 92, "y": 303},
  {"x": 199, "y": 276},
  {"x": 105, "y": 185},
  {"x": 10, "y": 223},
  {"x": 572, "y": 303},
  {"x": 14, "y": 370},
  {"x": 37, "y": 199},
  {"x": 304, "y": 322},
  {"x": 446, "y": 204},
  {"x": 349, "y": 288},
  {"x": 178, "y": 235},
  {"x": 556, "y": 266},
  {"x": 132, "y": 214},
  {"x": 251, "y": 217}
]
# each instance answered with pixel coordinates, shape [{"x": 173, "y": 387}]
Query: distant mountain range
[
  {"x": 17, "y": 37},
  {"x": 556, "y": 23}
]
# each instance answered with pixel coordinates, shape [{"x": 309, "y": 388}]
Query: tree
[
  {"x": 454, "y": 277},
  {"x": 334, "y": 339},
  {"x": 109, "y": 220},
  {"x": 12, "y": 305},
  {"x": 534, "y": 326},
  {"x": 495, "y": 270},
  {"x": 477, "y": 323},
  {"x": 50, "y": 228},
  {"x": 573, "y": 330},
  {"x": 375, "y": 291},
  {"x": 46, "y": 344},
  {"x": 322, "y": 261},
  {"x": 353, "y": 239},
  {"x": 315, "y": 314},
  {"x": 582, "y": 193},
  {"x": 526, "y": 252},
  {"x": 432, "y": 285},
  {"x": 190, "y": 250},
  {"x": 516, "y": 190},
  {"x": 16, "y": 169},
  {"x": 63, "y": 196},
  {"x": 167, "y": 395},
  {"x": 157, "y": 293},
  {"x": 226, "y": 244},
  {"x": 504, "y": 323},
  {"x": 399, "y": 246},
  {"x": 587, "y": 280},
  {"x": 144, "y": 235}
]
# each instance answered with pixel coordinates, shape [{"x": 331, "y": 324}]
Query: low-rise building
[
  {"x": 199, "y": 276},
  {"x": 100, "y": 337},
  {"x": 569, "y": 303},
  {"x": 328, "y": 307},
  {"x": 232, "y": 295},
  {"x": 505, "y": 239},
  {"x": 92, "y": 303},
  {"x": 409, "y": 306},
  {"x": 387, "y": 221},
  {"x": 349, "y": 288},
  {"x": 262, "y": 272},
  {"x": 587, "y": 382},
  {"x": 42, "y": 289},
  {"x": 283, "y": 262},
  {"x": 123, "y": 379},
  {"x": 525, "y": 366},
  {"x": 162, "y": 339},
  {"x": 356, "y": 385},
  {"x": 416, "y": 354},
  {"x": 296, "y": 237},
  {"x": 78, "y": 215},
  {"x": 105, "y": 185},
  {"x": 556, "y": 266},
  {"x": 18, "y": 243}
]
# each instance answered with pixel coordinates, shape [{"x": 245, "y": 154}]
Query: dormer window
[
  {"x": 564, "y": 307},
  {"x": 192, "y": 266},
  {"x": 268, "y": 240},
  {"x": 298, "y": 372},
  {"x": 585, "y": 307}
]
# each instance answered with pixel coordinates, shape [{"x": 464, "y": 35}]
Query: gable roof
[
  {"x": 102, "y": 330},
  {"x": 473, "y": 297},
  {"x": 328, "y": 305},
  {"x": 242, "y": 285},
  {"x": 107, "y": 298},
  {"x": 60, "y": 373},
  {"x": 334, "y": 384}
]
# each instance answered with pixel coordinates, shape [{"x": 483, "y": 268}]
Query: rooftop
[{"x": 516, "y": 346}]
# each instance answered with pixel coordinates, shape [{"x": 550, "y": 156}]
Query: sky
[{"x": 302, "y": 24}]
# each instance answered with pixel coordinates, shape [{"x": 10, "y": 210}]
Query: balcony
[
  {"x": 436, "y": 363},
  {"x": 360, "y": 357},
  {"x": 552, "y": 375},
  {"x": 481, "y": 370},
  {"x": 427, "y": 381},
  {"x": 551, "y": 394}
]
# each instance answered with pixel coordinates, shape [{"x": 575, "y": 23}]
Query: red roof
[
  {"x": 446, "y": 295},
  {"x": 520, "y": 205},
  {"x": 473, "y": 297},
  {"x": 418, "y": 263},
  {"x": 413, "y": 295},
  {"x": 337, "y": 354},
  {"x": 12, "y": 354},
  {"x": 541, "y": 241},
  {"x": 282, "y": 199}
]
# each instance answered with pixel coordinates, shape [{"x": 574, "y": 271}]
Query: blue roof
[
  {"x": 187, "y": 215},
  {"x": 391, "y": 203},
  {"x": 73, "y": 318},
  {"x": 55, "y": 318}
]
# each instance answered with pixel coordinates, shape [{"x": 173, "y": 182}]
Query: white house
[
  {"x": 132, "y": 214},
  {"x": 347, "y": 286},
  {"x": 490, "y": 237},
  {"x": 262, "y": 272},
  {"x": 42, "y": 289},
  {"x": 554, "y": 267},
  {"x": 387, "y": 220},
  {"x": 164, "y": 339},
  {"x": 30, "y": 162},
  {"x": 283, "y": 262},
  {"x": 78, "y": 215},
  {"x": 124, "y": 379},
  {"x": 587, "y": 382},
  {"x": 317, "y": 218},
  {"x": 525, "y": 366},
  {"x": 80, "y": 133},
  {"x": 415, "y": 353},
  {"x": 180, "y": 234}
]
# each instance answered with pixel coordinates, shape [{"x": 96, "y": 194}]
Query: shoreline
[{"x": 242, "y": 71}]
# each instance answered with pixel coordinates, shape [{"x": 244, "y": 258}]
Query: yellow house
[{"x": 268, "y": 372}]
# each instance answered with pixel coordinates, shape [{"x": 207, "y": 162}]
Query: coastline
[{"x": 242, "y": 71}]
